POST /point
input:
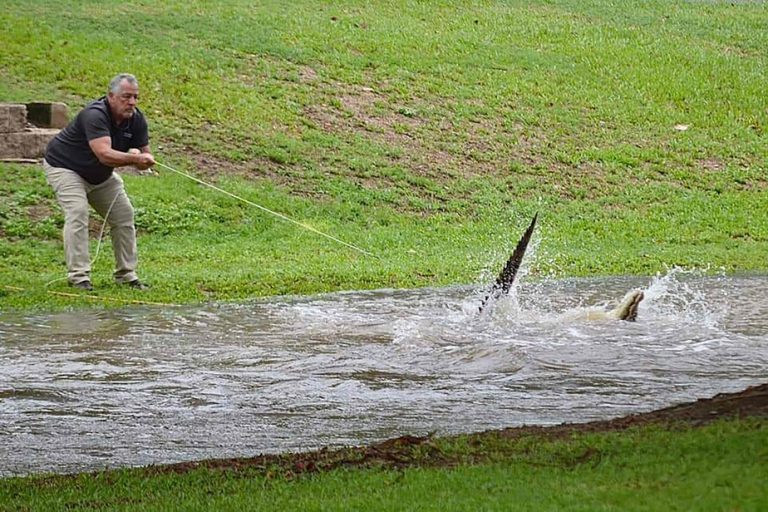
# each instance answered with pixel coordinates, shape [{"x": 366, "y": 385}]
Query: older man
[{"x": 79, "y": 163}]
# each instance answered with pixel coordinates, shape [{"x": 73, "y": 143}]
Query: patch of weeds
[{"x": 169, "y": 218}]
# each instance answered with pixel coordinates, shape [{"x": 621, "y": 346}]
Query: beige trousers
[{"x": 74, "y": 194}]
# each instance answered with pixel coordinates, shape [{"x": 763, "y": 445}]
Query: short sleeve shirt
[{"x": 70, "y": 149}]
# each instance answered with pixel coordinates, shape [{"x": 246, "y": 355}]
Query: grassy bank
[
  {"x": 426, "y": 133},
  {"x": 718, "y": 467}
]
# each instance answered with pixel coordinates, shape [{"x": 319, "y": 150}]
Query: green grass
[
  {"x": 424, "y": 132},
  {"x": 718, "y": 467}
]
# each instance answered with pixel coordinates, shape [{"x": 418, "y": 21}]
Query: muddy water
[{"x": 147, "y": 385}]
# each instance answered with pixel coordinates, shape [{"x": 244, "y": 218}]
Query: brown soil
[{"x": 408, "y": 451}]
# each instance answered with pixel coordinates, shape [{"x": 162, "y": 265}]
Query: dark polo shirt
[{"x": 70, "y": 149}]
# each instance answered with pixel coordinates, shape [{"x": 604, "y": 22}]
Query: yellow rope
[
  {"x": 93, "y": 297},
  {"x": 271, "y": 212}
]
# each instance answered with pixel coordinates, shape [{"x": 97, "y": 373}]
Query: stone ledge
[
  {"x": 30, "y": 143},
  {"x": 48, "y": 115},
  {"x": 13, "y": 117},
  {"x": 27, "y": 128}
]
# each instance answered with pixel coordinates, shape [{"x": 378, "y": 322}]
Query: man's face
[{"x": 123, "y": 102}]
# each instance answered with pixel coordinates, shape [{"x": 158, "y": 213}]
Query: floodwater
[{"x": 149, "y": 385}]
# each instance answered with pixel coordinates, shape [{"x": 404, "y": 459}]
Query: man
[{"x": 79, "y": 162}]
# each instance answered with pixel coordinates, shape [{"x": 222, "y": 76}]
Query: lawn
[{"x": 424, "y": 133}]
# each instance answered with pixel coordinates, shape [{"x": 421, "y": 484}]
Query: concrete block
[
  {"x": 48, "y": 115},
  {"x": 30, "y": 143},
  {"x": 13, "y": 117}
]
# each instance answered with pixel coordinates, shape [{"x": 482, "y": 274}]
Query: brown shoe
[{"x": 83, "y": 285}]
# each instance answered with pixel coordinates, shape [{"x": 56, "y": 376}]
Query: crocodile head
[{"x": 627, "y": 309}]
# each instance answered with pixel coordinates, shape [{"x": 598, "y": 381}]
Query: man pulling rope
[{"x": 79, "y": 163}]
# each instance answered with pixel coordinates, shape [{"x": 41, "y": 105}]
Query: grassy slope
[{"x": 424, "y": 132}]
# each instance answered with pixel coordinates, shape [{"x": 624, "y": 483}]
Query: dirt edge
[{"x": 407, "y": 451}]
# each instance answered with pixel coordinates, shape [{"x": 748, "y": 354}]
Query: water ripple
[{"x": 148, "y": 385}]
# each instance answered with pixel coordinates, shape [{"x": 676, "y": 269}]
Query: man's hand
[
  {"x": 143, "y": 161},
  {"x": 102, "y": 148}
]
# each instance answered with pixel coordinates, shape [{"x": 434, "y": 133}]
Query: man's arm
[{"x": 102, "y": 148}]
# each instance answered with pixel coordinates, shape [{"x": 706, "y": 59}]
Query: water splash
[
  {"x": 155, "y": 385},
  {"x": 678, "y": 296}
]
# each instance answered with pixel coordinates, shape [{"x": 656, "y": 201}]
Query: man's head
[{"x": 123, "y": 96}]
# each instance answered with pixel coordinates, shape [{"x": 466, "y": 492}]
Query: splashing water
[
  {"x": 147, "y": 385},
  {"x": 672, "y": 296}
]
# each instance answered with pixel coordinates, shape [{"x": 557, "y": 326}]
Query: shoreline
[{"x": 398, "y": 453}]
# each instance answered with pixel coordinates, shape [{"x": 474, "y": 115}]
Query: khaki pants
[{"x": 74, "y": 194}]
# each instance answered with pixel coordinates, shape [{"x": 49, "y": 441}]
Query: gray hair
[{"x": 114, "y": 84}]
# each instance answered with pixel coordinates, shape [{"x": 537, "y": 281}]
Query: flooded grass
[{"x": 150, "y": 384}]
